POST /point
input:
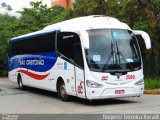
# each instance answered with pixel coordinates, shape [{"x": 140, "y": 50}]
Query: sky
[{"x": 17, "y": 5}]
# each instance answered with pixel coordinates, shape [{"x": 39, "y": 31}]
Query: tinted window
[
  {"x": 68, "y": 44},
  {"x": 35, "y": 44},
  {"x": 65, "y": 43}
]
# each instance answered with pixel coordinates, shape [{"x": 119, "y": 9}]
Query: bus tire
[
  {"x": 61, "y": 90},
  {"x": 20, "y": 83}
]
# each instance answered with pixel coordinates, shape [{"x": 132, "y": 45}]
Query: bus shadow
[
  {"x": 109, "y": 101},
  {"x": 53, "y": 95},
  {"x": 38, "y": 91}
]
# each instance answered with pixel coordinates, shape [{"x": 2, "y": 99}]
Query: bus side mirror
[
  {"x": 85, "y": 39},
  {"x": 145, "y": 36}
]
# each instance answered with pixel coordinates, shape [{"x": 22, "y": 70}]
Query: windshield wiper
[
  {"x": 112, "y": 53},
  {"x": 124, "y": 58}
]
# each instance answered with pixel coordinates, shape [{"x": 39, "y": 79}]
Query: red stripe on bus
[{"x": 33, "y": 75}]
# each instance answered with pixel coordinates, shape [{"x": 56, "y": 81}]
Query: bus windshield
[{"x": 112, "y": 50}]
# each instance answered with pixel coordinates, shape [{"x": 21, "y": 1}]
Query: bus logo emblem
[{"x": 118, "y": 75}]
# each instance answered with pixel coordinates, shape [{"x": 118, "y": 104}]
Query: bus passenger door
[{"x": 79, "y": 71}]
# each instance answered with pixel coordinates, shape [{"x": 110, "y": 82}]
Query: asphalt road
[{"x": 35, "y": 101}]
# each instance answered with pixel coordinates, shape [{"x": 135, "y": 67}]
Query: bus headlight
[
  {"x": 140, "y": 82},
  {"x": 93, "y": 84}
]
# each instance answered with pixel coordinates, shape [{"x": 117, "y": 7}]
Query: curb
[{"x": 153, "y": 92}]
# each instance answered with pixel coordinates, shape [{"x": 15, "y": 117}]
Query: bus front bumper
[{"x": 116, "y": 93}]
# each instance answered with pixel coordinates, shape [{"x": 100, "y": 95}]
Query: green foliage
[
  {"x": 84, "y": 7},
  {"x": 36, "y": 17},
  {"x": 67, "y": 14},
  {"x": 152, "y": 83},
  {"x": 5, "y": 34}
]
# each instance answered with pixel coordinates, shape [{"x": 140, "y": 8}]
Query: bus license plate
[{"x": 119, "y": 91}]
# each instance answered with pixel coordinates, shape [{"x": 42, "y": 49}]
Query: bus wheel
[
  {"x": 20, "y": 83},
  {"x": 61, "y": 89}
]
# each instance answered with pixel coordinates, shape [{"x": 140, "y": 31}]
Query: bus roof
[
  {"x": 88, "y": 22},
  {"x": 80, "y": 24}
]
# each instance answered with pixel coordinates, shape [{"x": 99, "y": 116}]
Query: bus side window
[
  {"x": 65, "y": 44},
  {"x": 34, "y": 44}
]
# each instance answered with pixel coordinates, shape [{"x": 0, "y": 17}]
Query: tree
[
  {"x": 5, "y": 34},
  {"x": 6, "y": 6},
  {"x": 84, "y": 7},
  {"x": 38, "y": 16}
]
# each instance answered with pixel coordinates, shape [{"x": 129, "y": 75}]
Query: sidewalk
[{"x": 152, "y": 91}]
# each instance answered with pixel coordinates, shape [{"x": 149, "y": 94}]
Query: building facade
[{"x": 63, "y": 3}]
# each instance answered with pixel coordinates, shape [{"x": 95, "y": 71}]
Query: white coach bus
[{"x": 91, "y": 57}]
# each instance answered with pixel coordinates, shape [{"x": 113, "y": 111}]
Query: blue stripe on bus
[
  {"x": 41, "y": 62},
  {"x": 30, "y": 36}
]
